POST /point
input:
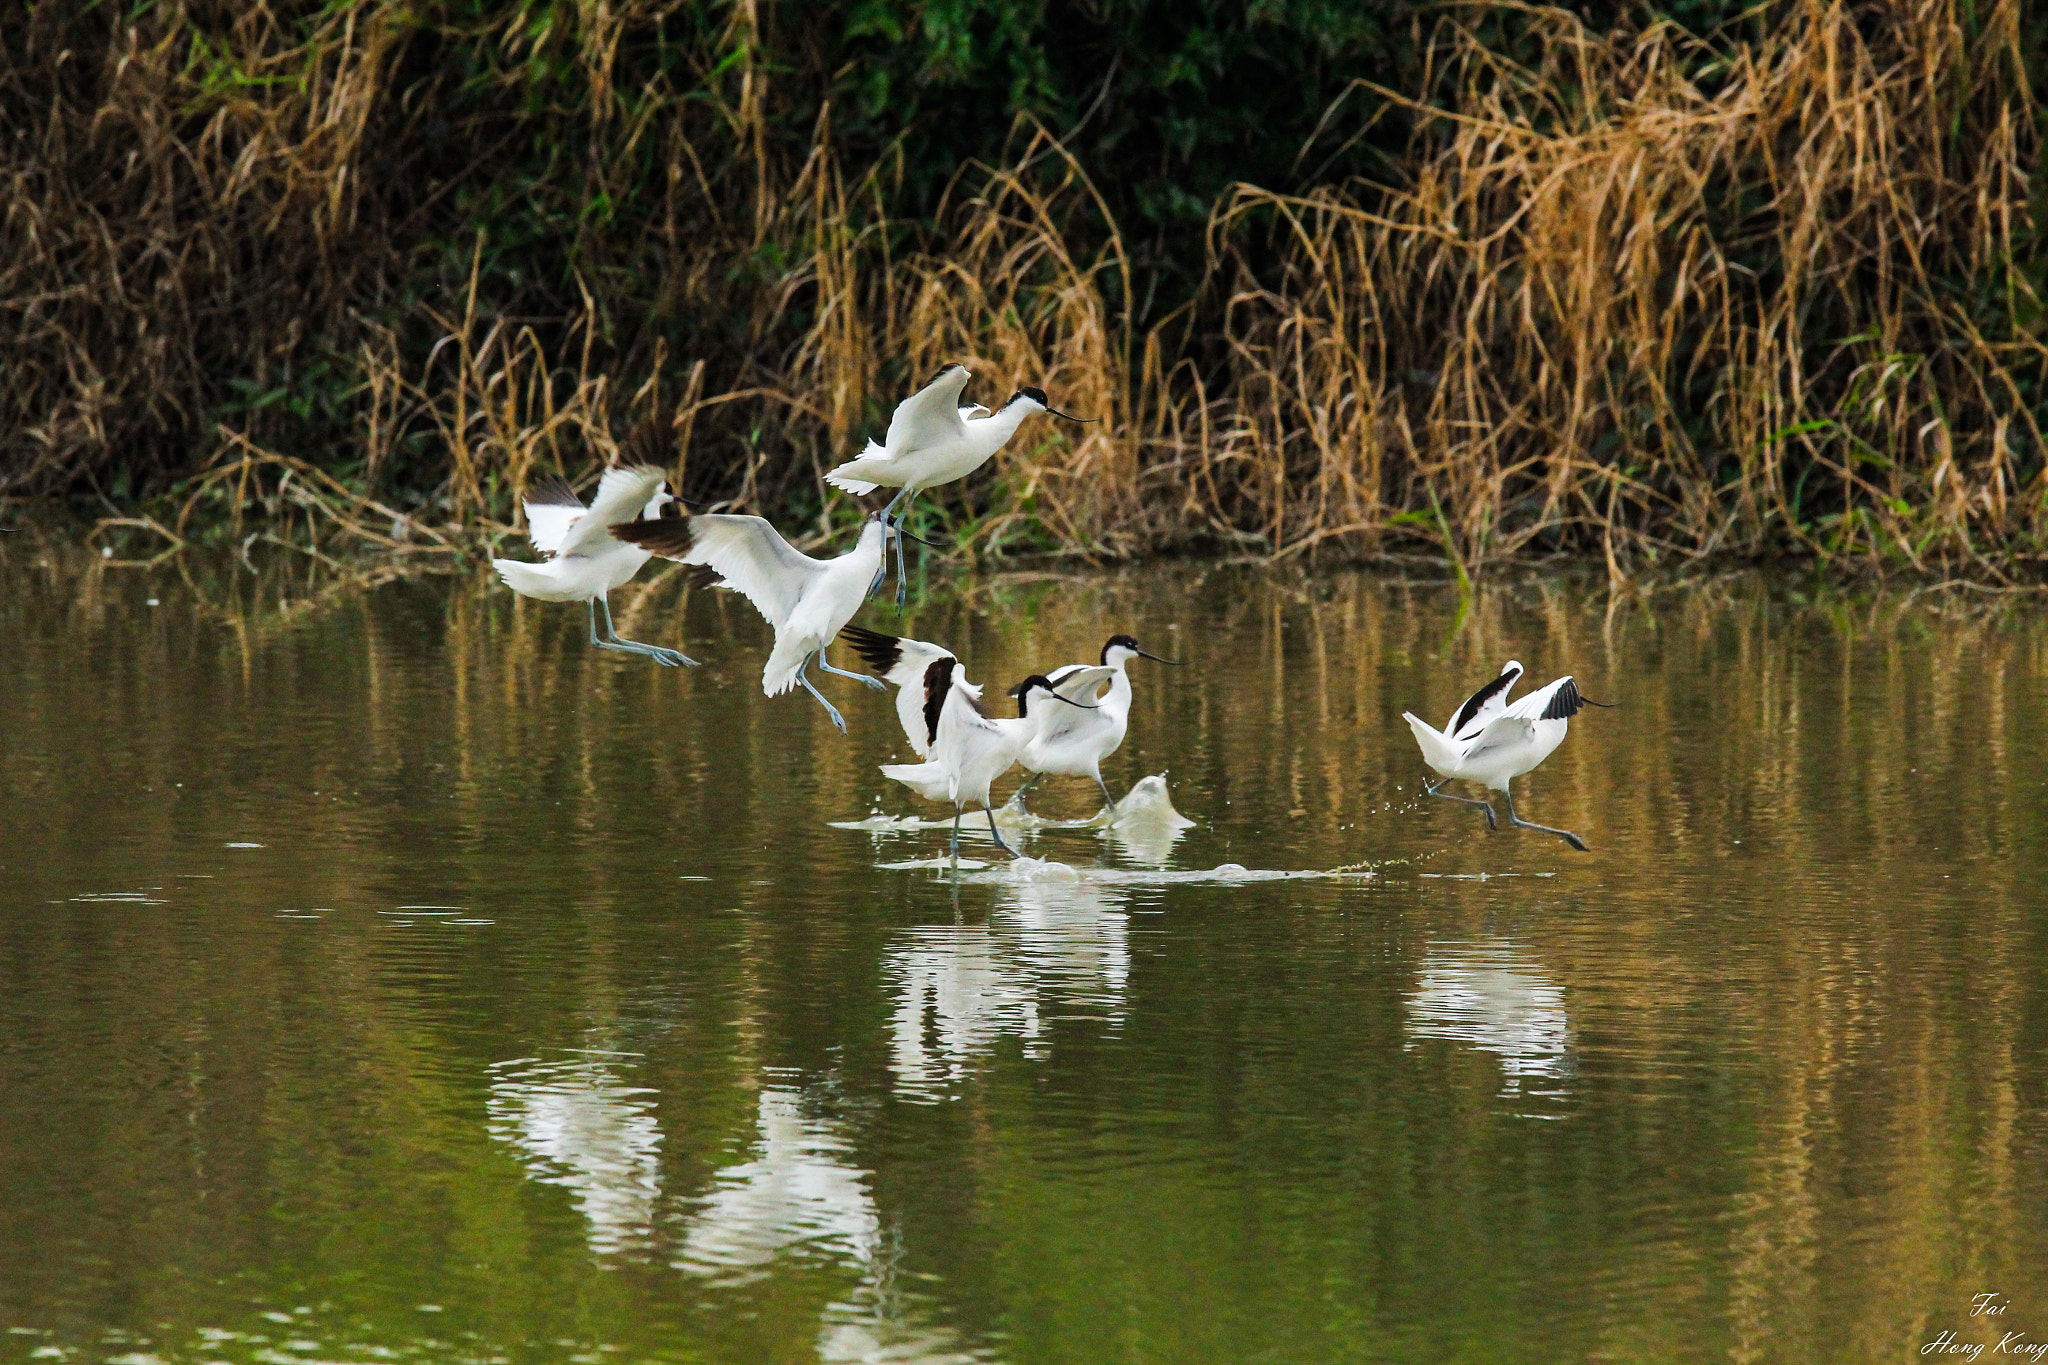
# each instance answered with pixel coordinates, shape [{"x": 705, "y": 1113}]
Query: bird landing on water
[
  {"x": 584, "y": 563},
  {"x": 1492, "y": 741}
]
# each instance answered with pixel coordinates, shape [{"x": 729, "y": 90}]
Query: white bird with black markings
[
  {"x": 585, "y": 563},
  {"x": 807, "y": 600},
  {"x": 1073, "y": 742},
  {"x": 1492, "y": 741},
  {"x": 964, "y": 751},
  {"x": 932, "y": 440}
]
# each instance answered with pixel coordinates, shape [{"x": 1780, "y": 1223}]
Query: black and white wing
[
  {"x": 621, "y": 496},
  {"x": 1483, "y": 705},
  {"x": 1558, "y": 701},
  {"x": 908, "y": 664},
  {"x": 747, "y": 553},
  {"x": 1561, "y": 700},
  {"x": 931, "y": 416},
  {"x": 551, "y": 505}
]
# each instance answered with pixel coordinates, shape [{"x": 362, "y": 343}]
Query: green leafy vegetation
[{"x": 1691, "y": 281}]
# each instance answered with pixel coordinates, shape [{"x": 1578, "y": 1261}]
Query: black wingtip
[
  {"x": 1567, "y": 701},
  {"x": 1478, "y": 699},
  {"x": 878, "y": 651},
  {"x": 648, "y": 442},
  {"x": 938, "y": 681},
  {"x": 551, "y": 490},
  {"x": 669, "y": 537}
]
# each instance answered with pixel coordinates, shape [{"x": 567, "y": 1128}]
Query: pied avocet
[
  {"x": 807, "y": 600},
  {"x": 932, "y": 440},
  {"x": 964, "y": 751},
  {"x": 1074, "y": 743},
  {"x": 584, "y": 562},
  {"x": 1494, "y": 742}
]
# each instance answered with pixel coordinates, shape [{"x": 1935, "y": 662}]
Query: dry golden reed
[
  {"x": 1636, "y": 294},
  {"x": 1621, "y": 307}
]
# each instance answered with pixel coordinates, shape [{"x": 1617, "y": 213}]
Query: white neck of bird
[{"x": 989, "y": 433}]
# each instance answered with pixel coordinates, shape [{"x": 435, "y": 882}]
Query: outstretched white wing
[
  {"x": 621, "y": 495},
  {"x": 752, "y": 557},
  {"x": 1558, "y": 700},
  {"x": 551, "y": 506},
  {"x": 931, "y": 416},
  {"x": 1079, "y": 682},
  {"x": 963, "y": 733},
  {"x": 1503, "y": 731}
]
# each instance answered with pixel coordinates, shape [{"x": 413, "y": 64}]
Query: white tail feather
[
  {"x": 848, "y": 475},
  {"x": 533, "y": 580},
  {"x": 928, "y": 780},
  {"x": 784, "y": 663},
  {"x": 1437, "y": 750},
  {"x": 858, "y": 487}
]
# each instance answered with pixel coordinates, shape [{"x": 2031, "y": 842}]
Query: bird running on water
[
  {"x": 1074, "y": 743},
  {"x": 1491, "y": 741},
  {"x": 584, "y": 563},
  {"x": 807, "y": 600},
  {"x": 932, "y": 439},
  {"x": 964, "y": 751}
]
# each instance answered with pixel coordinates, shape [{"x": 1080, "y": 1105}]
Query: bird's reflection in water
[
  {"x": 1049, "y": 949},
  {"x": 798, "y": 1194},
  {"x": 582, "y": 1127},
  {"x": 1492, "y": 995},
  {"x": 796, "y": 1190}
]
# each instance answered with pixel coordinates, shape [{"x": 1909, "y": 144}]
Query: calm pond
[{"x": 387, "y": 975}]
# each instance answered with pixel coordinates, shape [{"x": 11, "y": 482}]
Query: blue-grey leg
[
  {"x": 882, "y": 573},
  {"x": 1491, "y": 823},
  {"x": 902, "y": 580},
  {"x": 870, "y": 679},
  {"x": 1518, "y": 822},
  {"x": 830, "y": 709},
  {"x": 956, "y": 836},
  {"x": 1108, "y": 801},
  {"x": 1017, "y": 796},
  {"x": 994, "y": 834},
  {"x": 666, "y": 657}
]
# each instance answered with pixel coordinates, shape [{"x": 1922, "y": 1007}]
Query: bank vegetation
[{"x": 1503, "y": 281}]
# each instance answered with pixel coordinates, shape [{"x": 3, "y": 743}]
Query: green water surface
[{"x": 670, "y": 1068}]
